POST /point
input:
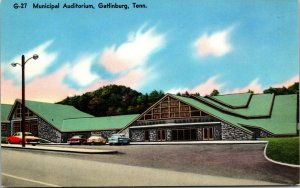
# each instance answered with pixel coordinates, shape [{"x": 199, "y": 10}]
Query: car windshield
[
  {"x": 77, "y": 136},
  {"x": 28, "y": 134},
  {"x": 95, "y": 137}
]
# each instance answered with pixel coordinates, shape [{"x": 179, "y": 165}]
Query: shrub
[{"x": 3, "y": 140}]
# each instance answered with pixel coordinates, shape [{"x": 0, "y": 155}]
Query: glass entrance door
[
  {"x": 208, "y": 133},
  {"x": 146, "y": 135},
  {"x": 161, "y": 135}
]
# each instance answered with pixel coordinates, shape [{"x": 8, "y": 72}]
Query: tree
[
  {"x": 250, "y": 91},
  {"x": 293, "y": 89},
  {"x": 214, "y": 93}
]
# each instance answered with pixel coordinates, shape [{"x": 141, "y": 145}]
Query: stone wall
[
  {"x": 218, "y": 133},
  {"x": 48, "y": 132},
  {"x": 137, "y": 135},
  {"x": 265, "y": 134},
  {"x": 169, "y": 134},
  {"x": 152, "y": 135},
  {"x": 200, "y": 134},
  {"x": 230, "y": 132}
]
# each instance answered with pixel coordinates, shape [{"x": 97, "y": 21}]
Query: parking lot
[{"x": 244, "y": 161}]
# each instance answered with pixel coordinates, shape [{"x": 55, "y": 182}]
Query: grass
[{"x": 283, "y": 149}]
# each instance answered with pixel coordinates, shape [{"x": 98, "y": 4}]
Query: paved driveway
[{"x": 244, "y": 161}]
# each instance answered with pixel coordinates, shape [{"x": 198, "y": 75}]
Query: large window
[{"x": 184, "y": 134}]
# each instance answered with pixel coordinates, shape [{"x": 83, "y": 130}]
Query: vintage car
[
  {"x": 29, "y": 138},
  {"x": 96, "y": 139},
  {"x": 77, "y": 139},
  {"x": 118, "y": 139}
]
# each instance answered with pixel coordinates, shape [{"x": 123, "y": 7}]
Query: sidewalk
[
  {"x": 200, "y": 142},
  {"x": 59, "y": 149}
]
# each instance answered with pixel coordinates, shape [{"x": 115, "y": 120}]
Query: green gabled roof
[
  {"x": 211, "y": 110},
  {"x": 234, "y": 100},
  {"x": 5, "y": 109},
  {"x": 259, "y": 105},
  {"x": 283, "y": 119},
  {"x": 97, "y": 123},
  {"x": 55, "y": 113}
]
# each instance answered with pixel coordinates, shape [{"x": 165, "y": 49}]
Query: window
[
  {"x": 3, "y": 127},
  {"x": 161, "y": 135},
  {"x": 184, "y": 134},
  {"x": 208, "y": 133},
  {"x": 156, "y": 111},
  {"x": 180, "y": 135}
]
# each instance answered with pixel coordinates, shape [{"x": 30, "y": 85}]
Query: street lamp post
[{"x": 35, "y": 56}]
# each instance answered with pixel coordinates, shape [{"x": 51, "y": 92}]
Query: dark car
[{"x": 77, "y": 139}]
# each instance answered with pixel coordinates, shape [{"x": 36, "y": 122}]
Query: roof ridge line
[
  {"x": 229, "y": 105},
  {"x": 100, "y": 116}
]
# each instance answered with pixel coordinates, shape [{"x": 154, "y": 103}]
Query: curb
[
  {"x": 277, "y": 162},
  {"x": 66, "y": 150},
  {"x": 198, "y": 142}
]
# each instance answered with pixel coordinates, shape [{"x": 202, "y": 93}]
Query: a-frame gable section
[
  {"x": 169, "y": 108},
  {"x": 15, "y": 112}
]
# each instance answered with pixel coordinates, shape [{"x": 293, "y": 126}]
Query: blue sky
[{"x": 172, "y": 45}]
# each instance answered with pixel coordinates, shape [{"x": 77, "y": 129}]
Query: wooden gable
[
  {"x": 170, "y": 108},
  {"x": 16, "y": 112}
]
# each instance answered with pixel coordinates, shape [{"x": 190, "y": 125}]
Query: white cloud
[
  {"x": 132, "y": 53},
  {"x": 204, "y": 88},
  {"x": 253, "y": 86},
  {"x": 81, "y": 70},
  {"x": 217, "y": 44},
  {"x": 287, "y": 83},
  {"x": 33, "y": 68},
  {"x": 46, "y": 88},
  {"x": 207, "y": 87},
  {"x": 177, "y": 90}
]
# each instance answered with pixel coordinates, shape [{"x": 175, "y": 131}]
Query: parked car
[
  {"x": 95, "y": 139},
  {"x": 118, "y": 139},
  {"x": 29, "y": 138},
  {"x": 77, "y": 139}
]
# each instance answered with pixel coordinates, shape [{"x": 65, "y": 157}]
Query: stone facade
[
  {"x": 200, "y": 134},
  {"x": 48, "y": 132},
  {"x": 230, "y": 132},
  {"x": 169, "y": 134},
  {"x": 265, "y": 134},
  {"x": 138, "y": 135},
  {"x": 152, "y": 135},
  {"x": 221, "y": 131}
]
